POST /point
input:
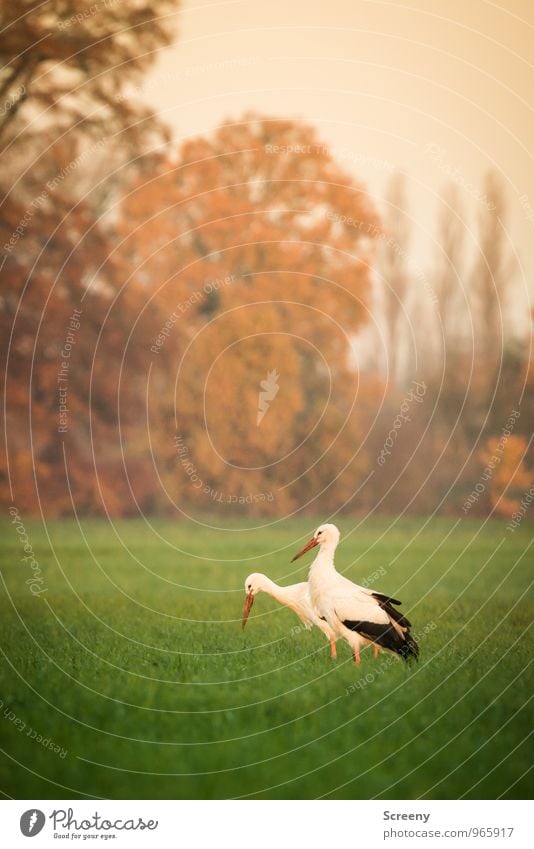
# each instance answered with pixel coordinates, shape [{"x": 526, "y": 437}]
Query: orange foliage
[
  {"x": 212, "y": 364},
  {"x": 509, "y": 478},
  {"x": 243, "y": 241}
]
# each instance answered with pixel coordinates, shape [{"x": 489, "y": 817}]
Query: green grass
[{"x": 134, "y": 662}]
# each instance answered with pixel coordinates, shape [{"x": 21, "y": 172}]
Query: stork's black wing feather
[
  {"x": 386, "y": 604},
  {"x": 386, "y": 598},
  {"x": 387, "y": 637}
]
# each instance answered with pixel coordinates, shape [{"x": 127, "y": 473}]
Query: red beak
[
  {"x": 311, "y": 544},
  {"x": 249, "y": 601}
]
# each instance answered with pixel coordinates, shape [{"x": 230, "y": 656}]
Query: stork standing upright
[
  {"x": 296, "y": 597},
  {"x": 355, "y": 613}
]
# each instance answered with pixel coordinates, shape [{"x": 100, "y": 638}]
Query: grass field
[{"x": 133, "y": 664}]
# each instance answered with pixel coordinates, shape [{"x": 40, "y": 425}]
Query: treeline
[{"x": 179, "y": 322}]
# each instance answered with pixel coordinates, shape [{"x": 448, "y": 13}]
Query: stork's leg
[
  {"x": 375, "y": 649},
  {"x": 356, "y": 654},
  {"x": 333, "y": 650}
]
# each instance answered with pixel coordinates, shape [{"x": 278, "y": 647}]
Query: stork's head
[
  {"x": 325, "y": 535},
  {"x": 253, "y": 585}
]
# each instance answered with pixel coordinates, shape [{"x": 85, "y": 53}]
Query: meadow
[{"x": 129, "y": 676}]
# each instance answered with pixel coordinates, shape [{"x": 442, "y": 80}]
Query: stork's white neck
[
  {"x": 325, "y": 559},
  {"x": 274, "y": 590}
]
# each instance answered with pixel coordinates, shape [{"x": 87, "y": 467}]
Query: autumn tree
[
  {"x": 63, "y": 69},
  {"x": 449, "y": 272},
  {"x": 503, "y": 463},
  {"x": 259, "y": 247},
  {"x": 492, "y": 280},
  {"x": 394, "y": 273}
]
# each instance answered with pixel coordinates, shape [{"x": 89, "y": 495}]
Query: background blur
[{"x": 267, "y": 258}]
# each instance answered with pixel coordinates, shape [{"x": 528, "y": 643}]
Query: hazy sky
[{"x": 383, "y": 82}]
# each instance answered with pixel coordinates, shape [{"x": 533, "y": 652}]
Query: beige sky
[{"x": 382, "y": 81}]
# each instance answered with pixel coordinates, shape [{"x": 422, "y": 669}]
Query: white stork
[
  {"x": 355, "y": 613},
  {"x": 296, "y": 597}
]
